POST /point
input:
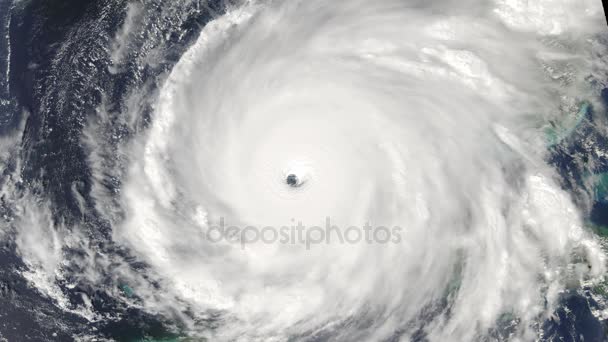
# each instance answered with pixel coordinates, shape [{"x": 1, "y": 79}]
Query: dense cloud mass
[{"x": 343, "y": 171}]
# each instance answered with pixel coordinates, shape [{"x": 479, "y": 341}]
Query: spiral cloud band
[{"x": 426, "y": 116}]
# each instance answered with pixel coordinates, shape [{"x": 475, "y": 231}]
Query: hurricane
[{"x": 312, "y": 170}]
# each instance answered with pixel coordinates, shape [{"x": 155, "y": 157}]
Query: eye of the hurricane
[
  {"x": 297, "y": 173},
  {"x": 293, "y": 180}
]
